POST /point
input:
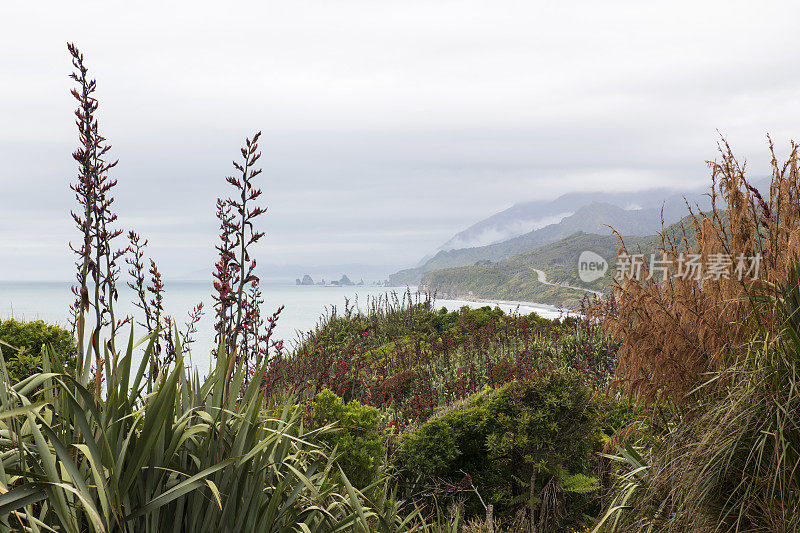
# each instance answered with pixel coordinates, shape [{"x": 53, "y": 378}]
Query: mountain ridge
[
  {"x": 518, "y": 278},
  {"x": 596, "y": 217},
  {"x": 523, "y": 217}
]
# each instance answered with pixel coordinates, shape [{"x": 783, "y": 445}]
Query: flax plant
[{"x": 147, "y": 461}]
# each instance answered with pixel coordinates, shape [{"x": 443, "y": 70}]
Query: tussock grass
[{"x": 718, "y": 363}]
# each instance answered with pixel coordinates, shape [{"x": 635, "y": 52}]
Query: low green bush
[
  {"x": 358, "y": 437},
  {"x": 23, "y": 342},
  {"x": 540, "y": 433}
]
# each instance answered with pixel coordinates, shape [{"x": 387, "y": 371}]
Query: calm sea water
[{"x": 49, "y": 301}]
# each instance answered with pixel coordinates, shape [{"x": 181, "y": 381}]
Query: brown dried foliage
[{"x": 675, "y": 332}]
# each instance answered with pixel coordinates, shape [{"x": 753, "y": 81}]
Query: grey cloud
[{"x": 388, "y": 126}]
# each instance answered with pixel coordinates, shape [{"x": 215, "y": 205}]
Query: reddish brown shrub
[{"x": 397, "y": 387}]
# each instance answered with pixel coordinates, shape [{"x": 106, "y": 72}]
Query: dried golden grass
[{"x": 675, "y": 332}]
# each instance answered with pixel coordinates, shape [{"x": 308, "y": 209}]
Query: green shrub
[
  {"x": 358, "y": 438},
  {"x": 616, "y": 413},
  {"x": 22, "y": 364},
  {"x": 541, "y": 432},
  {"x": 26, "y": 340}
]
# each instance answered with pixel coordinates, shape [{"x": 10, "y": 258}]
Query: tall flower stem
[{"x": 93, "y": 193}]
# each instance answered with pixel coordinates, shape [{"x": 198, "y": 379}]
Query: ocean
[{"x": 304, "y": 305}]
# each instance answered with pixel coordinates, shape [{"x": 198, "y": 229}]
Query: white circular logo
[{"x": 591, "y": 266}]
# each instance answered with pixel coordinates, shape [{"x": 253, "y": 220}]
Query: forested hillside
[
  {"x": 596, "y": 218},
  {"x": 516, "y": 277}
]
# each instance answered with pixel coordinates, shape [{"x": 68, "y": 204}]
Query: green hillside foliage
[
  {"x": 596, "y": 218},
  {"x": 22, "y": 343},
  {"x": 515, "y": 278},
  {"x": 498, "y": 282}
]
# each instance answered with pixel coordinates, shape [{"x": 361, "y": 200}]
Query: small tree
[
  {"x": 525, "y": 445},
  {"x": 358, "y": 438},
  {"x": 22, "y": 343}
]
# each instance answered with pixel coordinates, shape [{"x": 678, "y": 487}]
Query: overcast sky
[{"x": 388, "y": 125}]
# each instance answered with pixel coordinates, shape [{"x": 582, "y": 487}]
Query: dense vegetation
[
  {"x": 499, "y": 281},
  {"x": 528, "y": 444},
  {"x": 23, "y": 342},
  {"x": 468, "y": 408},
  {"x": 410, "y": 358},
  {"x": 163, "y": 453},
  {"x": 431, "y": 409}
]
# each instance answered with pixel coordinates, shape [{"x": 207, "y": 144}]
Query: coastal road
[{"x": 543, "y": 279}]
